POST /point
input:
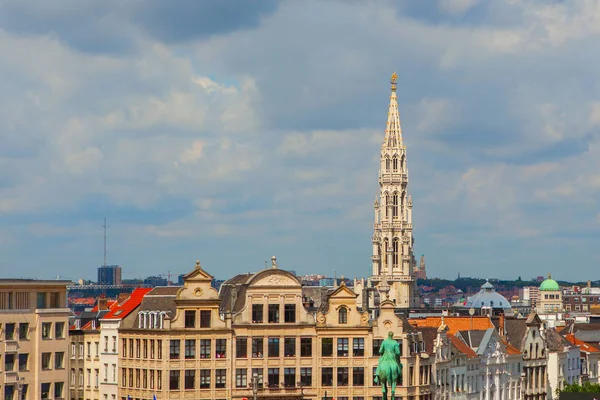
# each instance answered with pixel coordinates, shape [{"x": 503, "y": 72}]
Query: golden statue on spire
[{"x": 394, "y": 80}]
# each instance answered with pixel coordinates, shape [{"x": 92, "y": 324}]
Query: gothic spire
[{"x": 393, "y": 130}]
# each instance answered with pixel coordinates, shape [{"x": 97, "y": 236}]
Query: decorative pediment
[
  {"x": 197, "y": 285},
  {"x": 343, "y": 292},
  {"x": 198, "y": 275},
  {"x": 276, "y": 278}
]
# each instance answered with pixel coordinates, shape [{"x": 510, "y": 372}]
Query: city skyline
[{"x": 232, "y": 133}]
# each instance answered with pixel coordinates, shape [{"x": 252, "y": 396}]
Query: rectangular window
[
  {"x": 258, "y": 374},
  {"x": 374, "y": 375},
  {"x": 190, "y": 318},
  {"x": 241, "y": 377},
  {"x": 342, "y": 376},
  {"x": 327, "y": 376},
  {"x": 342, "y": 347},
  {"x": 159, "y": 349},
  {"x": 23, "y": 331},
  {"x": 144, "y": 347},
  {"x": 55, "y": 300},
  {"x": 273, "y": 377},
  {"x": 45, "y": 390},
  {"x": 152, "y": 349},
  {"x": 289, "y": 347},
  {"x": 145, "y": 378},
  {"x": 9, "y": 362},
  {"x": 358, "y": 347},
  {"x": 205, "y": 316},
  {"x": 306, "y": 376},
  {"x": 289, "y": 377},
  {"x": 174, "y": 379},
  {"x": 59, "y": 360},
  {"x": 58, "y": 390},
  {"x": 159, "y": 380},
  {"x": 151, "y": 379},
  {"x": 204, "y": 378},
  {"x": 130, "y": 377},
  {"x": 41, "y": 300},
  {"x": 220, "y": 378},
  {"x": 273, "y": 313},
  {"x": 257, "y": 313},
  {"x": 138, "y": 347},
  {"x": 190, "y": 378},
  {"x": 174, "y": 349},
  {"x": 327, "y": 347},
  {"x": 289, "y": 313},
  {"x": 9, "y": 331},
  {"x": 190, "y": 349},
  {"x": 257, "y": 347},
  {"x": 204, "y": 348},
  {"x": 23, "y": 361},
  {"x": 221, "y": 348},
  {"x": 241, "y": 347},
  {"x": 124, "y": 350},
  {"x": 59, "y": 330},
  {"x": 131, "y": 348},
  {"x": 358, "y": 376},
  {"x": 273, "y": 347},
  {"x": 376, "y": 346},
  {"x": 305, "y": 347},
  {"x": 46, "y": 360},
  {"x": 137, "y": 377},
  {"x": 46, "y": 329}
]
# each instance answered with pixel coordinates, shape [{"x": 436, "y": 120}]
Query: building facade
[
  {"x": 109, "y": 275},
  {"x": 393, "y": 258},
  {"x": 34, "y": 341}
]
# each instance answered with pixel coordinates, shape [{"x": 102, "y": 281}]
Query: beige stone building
[
  {"x": 34, "y": 343},
  {"x": 265, "y": 329}
]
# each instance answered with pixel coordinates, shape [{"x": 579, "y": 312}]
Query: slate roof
[
  {"x": 555, "y": 341},
  {"x": 124, "y": 309},
  {"x": 515, "y": 330},
  {"x": 588, "y": 336},
  {"x": 473, "y": 338},
  {"x": 429, "y": 335}
]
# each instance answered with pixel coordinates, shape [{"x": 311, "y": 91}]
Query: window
[
  {"x": 400, "y": 346},
  {"x": 241, "y": 347},
  {"x": 258, "y": 374},
  {"x": 204, "y": 378},
  {"x": 190, "y": 318},
  {"x": 358, "y": 376},
  {"x": 124, "y": 351},
  {"x": 145, "y": 378},
  {"x": 106, "y": 346},
  {"x": 305, "y": 347},
  {"x": 306, "y": 376},
  {"x": 342, "y": 376},
  {"x": 46, "y": 328},
  {"x": 137, "y": 376},
  {"x": 273, "y": 347},
  {"x": 375, "y": 374},
  {"x": 41, "y": 300},
  {"x": 59, "y": 360},
  {"x": 327, "y": 376},
  {"x": 204, "y": 348},
  {"x": 257, "y": 347},
  {"x": 289, "y": 347},
  {"x": 273, "y": 377},
  {"x": 58, "y": 390},
  {"x": 396, "y": 246},
  {"x": 9, "y": 332},
  {"x": 220, "y": 378},
  {"x": 343, "y": 315},
  {"x": 9, "y": 362},
  {"x": 23, "y": 360},
  {"x": 174, "y": 379},
  {"x": 114, "y": 344},
  {"x": 23, "y": 331},
  {"x": 289, "y": 377},
  {"x": 159, "y": 380},
  {"x": 221, "y": 348},
  {"x": 54, "y": 300},
  {"x": 273, "y": 313},
  {"x": 152, "y": 349},
  {"x": 376, "y": 346},
  {"x": 73, "y": 379},
  {"x": 59, "y": 330},
  {"x": 342, "y": 347},
  {"x": 45, "y": 390},
  {"x": 159, "y": 349},
  {"x": 241, "y": 378},
  {"x": 130, "y": 348},
  {"x": 190, "y": 379},
  {"x": 257, "y": 313},
  {"x": 144, "y": 347},
  {"x": 205, "y": 316},
  {"x": 9, "y": 392},
  {"x": 174, "y": 349},
  {"x": 289, "y": 313},
  {"x": 46, "y": 360},
  {"x": 358, "y": 347},
  {"x": 137, "y": 347},
  {"x": 327, "y": 347},
  {"x": 190, "y": 349}
]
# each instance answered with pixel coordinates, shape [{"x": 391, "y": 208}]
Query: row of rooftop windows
[{"x": 20, "y": 331}]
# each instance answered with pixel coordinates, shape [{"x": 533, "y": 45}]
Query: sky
[{"x": 230, "y": 131}]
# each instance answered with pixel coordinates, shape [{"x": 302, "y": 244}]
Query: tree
[{"x": 577, "y": 388}]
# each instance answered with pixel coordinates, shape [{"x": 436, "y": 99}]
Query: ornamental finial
[{"x": 394, "y": 80}]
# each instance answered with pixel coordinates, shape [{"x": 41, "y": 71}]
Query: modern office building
[{"x": 109, "y": 275}]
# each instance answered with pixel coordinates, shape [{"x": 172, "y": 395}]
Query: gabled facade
[
  {"x": 590, "y": 358},
  {"x": 563, "y": 362}
]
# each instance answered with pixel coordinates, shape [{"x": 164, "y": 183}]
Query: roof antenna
[{"x": 105, "y": 226}]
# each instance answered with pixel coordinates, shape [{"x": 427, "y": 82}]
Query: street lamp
[
  {"x": 20, "y": 387},
  {"x": 254, "y": 386},
  {"x": 301, "y": 386}
]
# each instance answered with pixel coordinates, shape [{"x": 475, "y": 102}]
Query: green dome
[{"x": 549, "y": 285}]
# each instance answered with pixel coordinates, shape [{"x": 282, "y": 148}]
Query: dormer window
[{"x": 343, "y": 315}]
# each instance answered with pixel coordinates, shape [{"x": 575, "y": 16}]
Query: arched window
[
  {"x": 395, "y": 163},
  {"x": 343, "y": 315},
  {"x": 387, "y": 164},
  {"x": 396, "y": 256},
  {"x": 395, "y": 205}
]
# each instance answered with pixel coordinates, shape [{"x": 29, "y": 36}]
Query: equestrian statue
[{"x": 389, "y": 368}]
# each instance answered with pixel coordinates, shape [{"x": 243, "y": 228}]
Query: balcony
[
  {"x": 12, "y": 346},
  {"x": 10, "y": 378}
]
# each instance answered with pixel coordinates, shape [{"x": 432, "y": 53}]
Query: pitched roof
[
  {"x": 110, "y": 304},
  {"x": 515, "y": 330},
  {"x": 429, "y": 335},
  {"x": 555, "y": 341},
  {"x": 473, "y": 339},
  {"x": 124, "y": 309},
  {"x": 510, "y": 349},
  {"x": 455, "y": 324},
  {"x": 164, "y": 291},
  {"x": 462, "y": 346},
  {"x": 588, "y": 348}
]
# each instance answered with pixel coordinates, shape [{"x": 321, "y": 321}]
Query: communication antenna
[{"x": 105, "y": 226}]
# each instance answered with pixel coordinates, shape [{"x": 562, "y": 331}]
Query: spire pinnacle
[
  {"x": 393, "y": 81},
  {"x": 393, "y": 130}
]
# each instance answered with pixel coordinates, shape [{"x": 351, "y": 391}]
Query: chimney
[
  {"x": 501, "y": 327},
  {"x": 102, "y": 303}
]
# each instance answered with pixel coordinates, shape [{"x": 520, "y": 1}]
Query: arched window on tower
[
  {"x": 395, "y": 205},
  {"x": 343, "y": 315},
  {"x": 387, "y": 164},
  {"x": 395, "y": 163},
  {"x": 396, "y": 250},
  {"x": 387, "y": 204}
]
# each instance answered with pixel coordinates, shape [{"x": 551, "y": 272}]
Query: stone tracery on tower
[{"x": 393, "y": 258}]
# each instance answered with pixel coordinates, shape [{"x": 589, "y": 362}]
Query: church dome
[
  {"x": 487, "y": 297},
  {"x": 549, "y": 285}
]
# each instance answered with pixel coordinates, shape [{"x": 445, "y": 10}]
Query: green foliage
[{"x": 577, "y": 388}]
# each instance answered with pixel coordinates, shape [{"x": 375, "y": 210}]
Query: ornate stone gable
[
  {"x": 274, "y": 278},
  {"x": 197, "y": 286}
]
